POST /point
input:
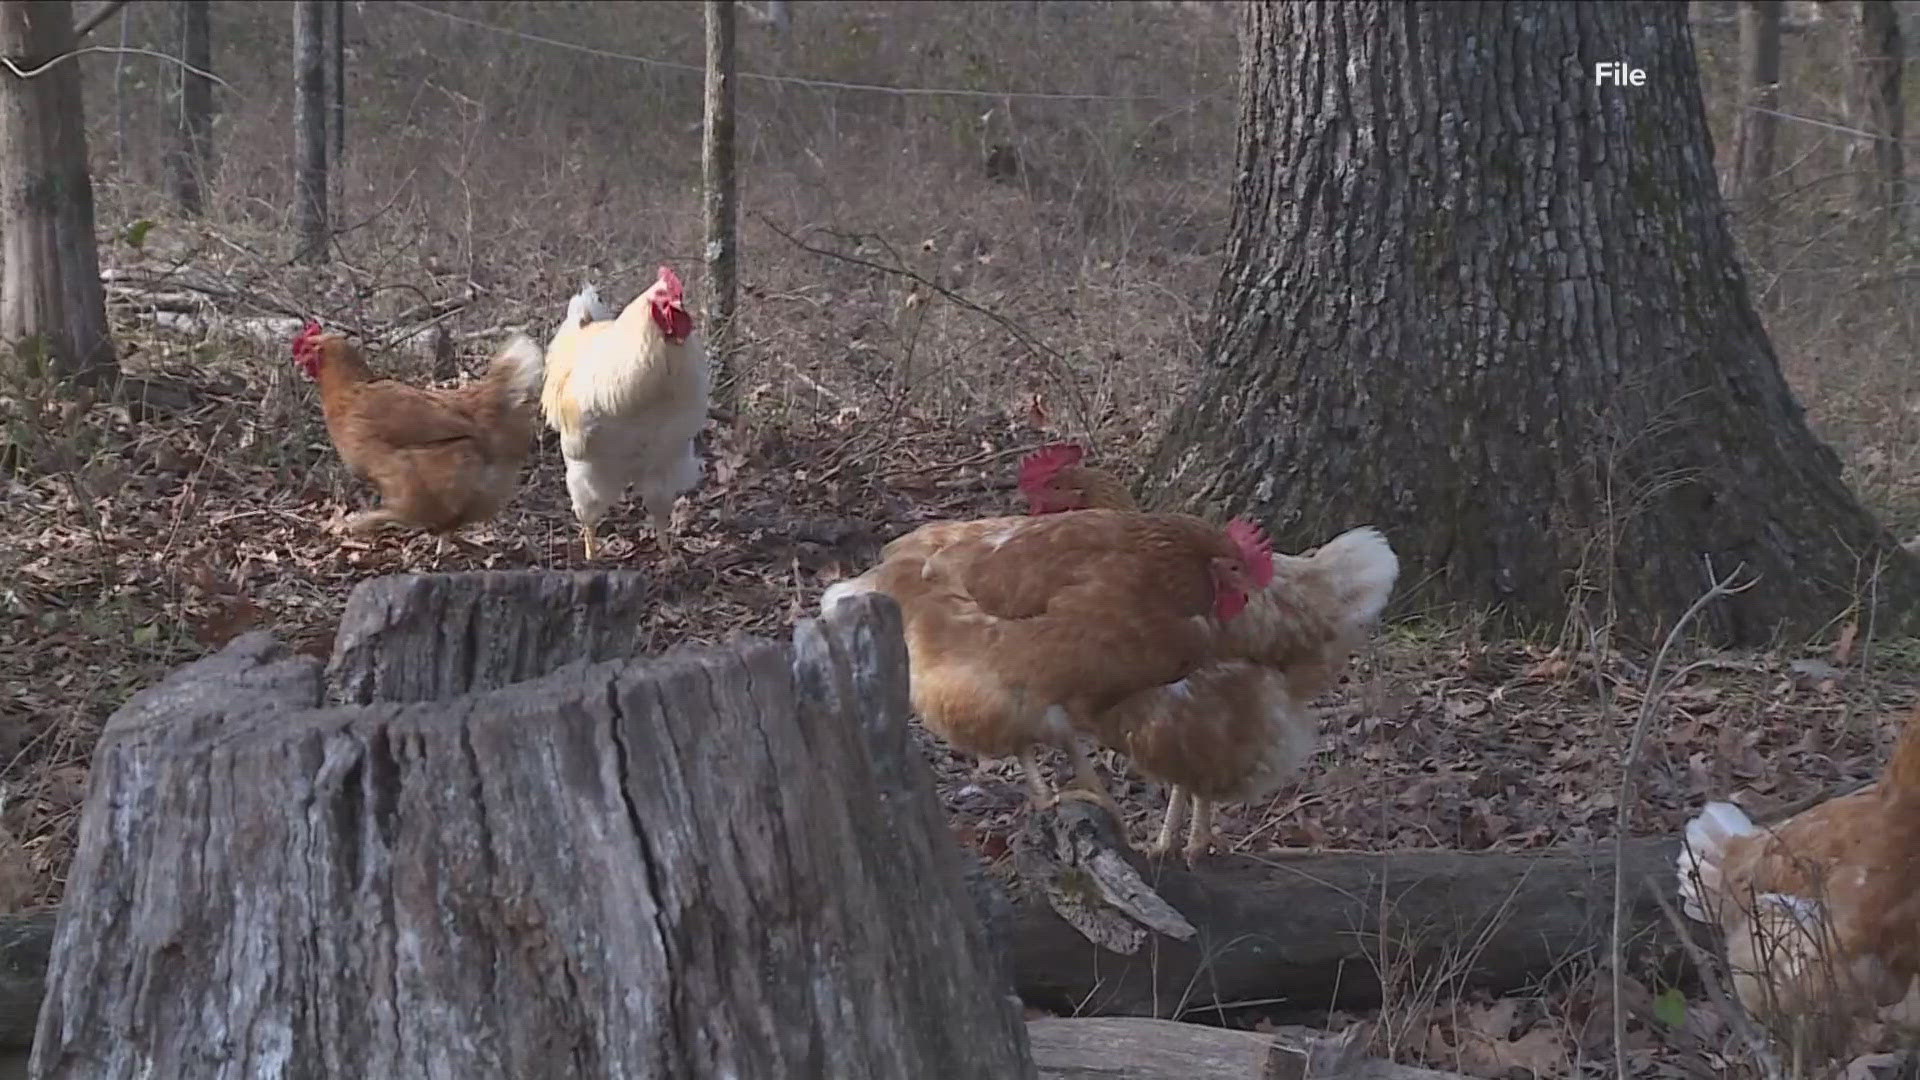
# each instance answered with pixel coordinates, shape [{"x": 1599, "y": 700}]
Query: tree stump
[{"x": 719, "y": 863}]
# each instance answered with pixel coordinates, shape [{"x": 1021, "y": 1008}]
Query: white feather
[{"x": 1700, "y": 854}]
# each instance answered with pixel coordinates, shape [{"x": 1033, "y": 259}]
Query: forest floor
[
  {"x": 925, "y": 277},
  {"x": 163, "y": 540}
]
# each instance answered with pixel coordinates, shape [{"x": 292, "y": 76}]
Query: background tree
[
  {"x": 717, "y": 166},
  {"x": 192, "y": 149},
  {"x": 337, "y": 96},
  {"x": 1875, "y": 70},
  {"x": 310, "y": 130},
  {"x": 1751, "y": 161},
  {"x": 1494, "y": 308},
  {"x": 53, "y": 313}
]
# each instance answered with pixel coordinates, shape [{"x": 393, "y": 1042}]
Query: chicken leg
[
  {"x": 1162, "y": 845},
  {"x": 1088, "y": 785},
  {"x": 586, "y": 539}
]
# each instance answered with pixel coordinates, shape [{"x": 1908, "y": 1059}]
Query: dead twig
[{"x": 1656, "y": 689}]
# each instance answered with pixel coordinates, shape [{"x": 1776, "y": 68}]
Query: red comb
[
  {"x": 1255, "y": 549},
  {"x": 307, "y": 333},
  {"x": 672, "y": 281},
  {"x": 1038, "y": 467}
]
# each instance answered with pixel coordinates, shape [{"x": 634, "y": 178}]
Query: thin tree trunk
[
  {"x": 1754, "y": 126},
  {"x": 310, "y": 130},
  {"x": 1873, "y": 91},
  {"x": 53, "y": 312},
  {"x": 193, "y": 117},
  {"x": 717, "y": 164},
  {"x": 1479, "y": 301},
  {"x": 120, "y": 97},
  {"x": 337, "y": 84}
]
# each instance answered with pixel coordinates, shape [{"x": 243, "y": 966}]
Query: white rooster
[{"x": 628, "y": 395}]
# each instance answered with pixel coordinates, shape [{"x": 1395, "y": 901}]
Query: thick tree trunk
[
  {"x": 1751, "y": 162},
  {"x": 1878, "y": 164},
  {"x": 310, "y": 130},
  {"x": 53, "y": 311},
  {"x": 724, "y": 863},
  {"x": 192, "y": 152},
  {"x": 717, "y": 164},
  {"x": 1479, "y": 301}
]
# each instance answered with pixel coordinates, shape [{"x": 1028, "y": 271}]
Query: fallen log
[
  {"x": 1319, "y": 930},
  {"x": 718, "y": 863},
  {"x": 1133, "y": 1048}
]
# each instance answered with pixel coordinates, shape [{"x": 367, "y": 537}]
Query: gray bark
[
  {"x": 717, "y": 164},
  {"x": 1878, "y": 163},
  {"x": 726, "y": 863},
  {"x": 309, "y": 131},
  {"x": 779, "y": 16},
  {"x": 1751, "y": 160},
  {"x": 433, "y": 636},
  {"x": 1478, "y": 301},
  {"x": 192, "y": 150},
  {"x": 53, "y": 311}
]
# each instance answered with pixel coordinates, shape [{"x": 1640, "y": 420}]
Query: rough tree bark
[
  {"x": 717, "y": 164},
  {"x": 192, "y": 151},
  {"x": 1877, "y": 66},
  {"x": 310, "y": 130},
  {"x": 724, "y": 863},
  {"x": 53, "y": 311},
  {"x": 1751, "y": 160},
  {"x": 1479, "y": 301}
]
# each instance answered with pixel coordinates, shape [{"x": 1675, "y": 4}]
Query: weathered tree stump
[{"x": 723, "y": 863}]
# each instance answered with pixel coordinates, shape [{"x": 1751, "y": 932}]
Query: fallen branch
[{"x": 1299, "y": 929}]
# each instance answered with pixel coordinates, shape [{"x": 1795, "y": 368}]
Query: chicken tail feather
[
  {"x": 519, "y": 366},
  {"x": 1362, "y": 567},
  {"x": 1701, "y": 853}
]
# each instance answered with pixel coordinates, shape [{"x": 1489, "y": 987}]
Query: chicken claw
[
  {"x": 1098, "y": 798},
  {"x": 586, "y": 540}
]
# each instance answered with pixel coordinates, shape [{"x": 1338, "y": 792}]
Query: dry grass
[{"x": 488, "y": 174}]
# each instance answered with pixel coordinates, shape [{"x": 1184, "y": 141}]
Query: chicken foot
[
  {"x": 1200, "y": 836},
  {"x": 1086, "y": 779},
  {"x": 1086, "y": 783}
]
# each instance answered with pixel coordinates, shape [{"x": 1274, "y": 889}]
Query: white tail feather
[
  {"x": 840, "y": 590},
  {"x": 527, "y": 366},
  {"x": 1700, "y": 854},
  {"x": 1363, "y": 568},
  {"x": 583, "y": 307}
]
